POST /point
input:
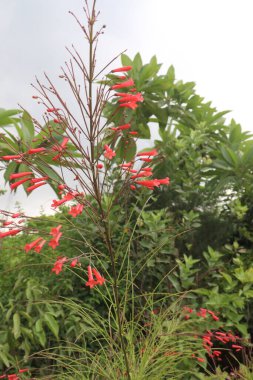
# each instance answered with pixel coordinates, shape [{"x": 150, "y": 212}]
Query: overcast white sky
[{"x": 208, "y": 41}]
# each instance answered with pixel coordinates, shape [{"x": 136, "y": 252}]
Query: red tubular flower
[
  {"x": 39, "y": 246},
  {"x": 36, "y": 150},
  {"x": 131, "y": 98},
  {"x": 23, "y": 370},
  {"x": 127, "y": 165},
  {"x": 201, "y": 360},
  {"x": 91, "y": 282},
  {"x": 59, "y": 264},
  {"x": 52, "y": 109},
  {"x": 120, "y": 69},
  {"x": 150, "y": 153},
  {"x": 5, "y": 224},
  {"x": 73, "y": 263},
  {"x": 17, "y": 215},
  {"x": 9, "y": 233},
  {"x": 55, "y": 230},
  {"x": 13, "y": 377},
  {"x": 141, "y": 174},
  {"x": 20, "y": 175},
  {"x": 133, "y": 133},
  {"x": 164, "y": 181},
  {"x": 131, "y": 105},
  {"x": 76, "y": 210},
  {"x": 68, "y": 197},
  {"x": 33, "y": 187},
  {"x": 128, "y": 83},
  {"x": 18, "y": 183},
  {"x": 237, "y": 347},
  {"x": 132, "y": 187},
  {"x": 122, "y": 127},
  {"x": 99, "y": 278},
  {"x": 149, "y": 183},
  {"x": 215, "y": 318},
  {"x": 30, "y": 246},
  {"x": 61, "y": 187},
  {"x": 57, "y": 121},
  {"x": 108, "y": 152},
  {"x": 147, "y": 169},
  {"x": 55, "y": 241},
  {"x": 35, "y": 180},
  {"x": 11, "y": 157},
  {"x": 100, "y": 166},
  {"x": 146, "y": 159}
]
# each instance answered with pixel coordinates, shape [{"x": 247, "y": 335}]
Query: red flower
[
  {"x": 35, "y": 180},
  {"x": 91, "y": 282},
  {"x": 133, "y": 133},
  {"x": 55, "y": 230},
  {"x": 20, "y": 175},
  {"x": 108, "y": 152},
  {"x": 141, "y": 174},
  {"x": 68, "y": 197},
  {"x": 73, "y": 263},
  {"x": 23, "y": 370},
  {"x": 18, "y": 183},
  {"x": 9, "y": 233},
  {"x": 52, "y": 109},
  {"x": 30, "y": 246},
  {"x": 39, "y": 246},
  {"x": 99, "y": 278},
  {"x": 146, "y": 159},
  {"x": 149, "y": 183},
  {"x": 150, "y": 153},
  {"x": 120, "y": 69},
  {"x": 122, "y": 127},
  {"x": 132, "y": 187},
  {"x": 5, "y": 224},
  {"x": 36, "y": 150},
  {"x": 11, "y": 157},
  {"x": 127, "y": 83},
  {"x": 17, "y": 215},
  {"x": 76, "y": 210},
  {"x": 59, "y": 264},
  {"x": 238, "y": 348},
  {"x": 164, "y": 181},
  {"x": 33, "y": 187},
  {"x": 55, "y": 241},
  {"x": 131, "y": 105},
  {"x": 100, "y": 166}
]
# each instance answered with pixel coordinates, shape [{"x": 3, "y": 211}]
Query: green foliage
[{"x": 23, "y": 137}]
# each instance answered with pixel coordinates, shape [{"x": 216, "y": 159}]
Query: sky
[{"x": 208, "y": 42}]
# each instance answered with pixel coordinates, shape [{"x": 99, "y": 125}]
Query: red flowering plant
[
  {"x": 95, "y": 170},
  {"x": 99, "y": 168}
]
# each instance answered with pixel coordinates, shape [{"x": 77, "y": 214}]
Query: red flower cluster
[
  {"x": 58, "y": 265},
  {"x": 14, "y": 376},
  {"x": 55, "y": 232},
  {"x": 99, "y": 280},
  {"x": 108, "y": 152},
  {"x": 76, "y": 210}
]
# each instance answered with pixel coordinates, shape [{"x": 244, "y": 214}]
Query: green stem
[{"x": 98, "y": 195}]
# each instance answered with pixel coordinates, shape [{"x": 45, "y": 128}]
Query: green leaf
[
  {"x": 4, "y": 358},
  {"x": 126, "y": 149},
  {"x": 52, "y": 324},
  {"x": 27, "y": 127},
  {"x": 137, "y": 62},
  {"x": 126, "y": 61},
  {"x": 16, "y": 326}
]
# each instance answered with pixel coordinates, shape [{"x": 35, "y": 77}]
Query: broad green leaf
[
  {"x": 16, "y": 326},
  {"x": 52, "y": 324},
  {"x": 126, "y": 61}
]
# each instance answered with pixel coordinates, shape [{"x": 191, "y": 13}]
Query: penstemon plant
[
  {"x": 99, "y": 171},
  {"x": 97, "y": 176}
]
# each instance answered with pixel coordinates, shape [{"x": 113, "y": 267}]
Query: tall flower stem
[{"x": 107, "y": 234}]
